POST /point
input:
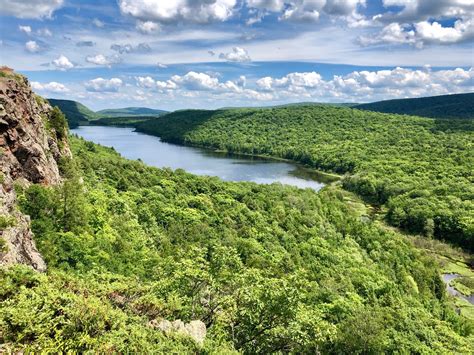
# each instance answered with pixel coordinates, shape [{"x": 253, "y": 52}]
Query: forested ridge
[
  {"x": 418, "y": 169},
  {"x": 268, "y": 268},
  {"x": 455, "y": 106}
]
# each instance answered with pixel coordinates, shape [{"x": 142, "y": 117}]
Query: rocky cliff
[{"x": 30, "y": 150}]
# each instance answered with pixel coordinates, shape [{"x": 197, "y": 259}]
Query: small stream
[{"x": 447, "y": 278}]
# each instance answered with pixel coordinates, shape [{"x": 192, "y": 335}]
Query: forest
[
  {"x": 267, "y": 268},
  {"x": 454, "y": 106},
  {"x": 418, "y": 171}
]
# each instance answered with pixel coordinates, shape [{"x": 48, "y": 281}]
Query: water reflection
[{"x": 152, "y": 151}]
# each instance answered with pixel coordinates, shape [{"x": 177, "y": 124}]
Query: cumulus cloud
[
  {"x": 419, "y": 22},
  {"x": 129, "y": 48},
  {"x": 423, "y": 10},
  {"x": 197, "y": 11},
  {"x": 34, "y": 9},
  {"x": 32, "y": 47},
  {"x": 358, "y": 86},
  {"x": 104, "y": 85},
  {"x": 101, "y": 59},
  {"x": 303, "y": 10},
  {"x": 194, "y": 82},
  {"x": 370, "y": 85},
  {"x": 145, "y": 82},
  {"x": 52, "y": 86},
  {"x": 148, "y": 27},
  {"x": 237, "y": 55},
  {"x": 422, "y": 33},
  {"x": 25, "y": 29},
  {"x": 62, "y": 63},
  {"x": 292, "y": 81}
]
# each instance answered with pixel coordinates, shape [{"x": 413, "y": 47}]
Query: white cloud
[
  {"x": 292, "y": 81},
  {"x": 237, "y": 55},
  {"x": 369, "y": 85},
  {"x": 434, "y": 32},
  {"x": 145, "y": 81},
  {"x": 392, "y": 33},
  {"x": 198, "y": 11},
  {"x": 25, "y": 29},
  {"x": 148, "y": 27},
  {"x": 419, "y": 22},
  {"x": 52, "y": 86},
  {"x": 129, "y": 48},
  {"x": 101, "y": 59},
  {"x": 423, "y": 10},
  {"x": 104, "y": 85},
  {"x": 196, "y": 81},
  {"x": 34, "y": 9},
  {"x": 62, "y": 63},
  {"x": 32, "y": 47},
  {"x": 44, "y": 32},
  {"x": 98, "y": 23},
  {"x": 303, "y": 10},
  {"x": 422, "y": 33},
  {"x": 162, "y": 66}
]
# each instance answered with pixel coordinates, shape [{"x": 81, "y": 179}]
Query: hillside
[
  {"x": 75, "y": 112},
  {"x": 446, "y": 106},
  {"x": 419, "y": 170},
  {"x": 130, "y": 111},
  {"x": 151, "y": 260}
]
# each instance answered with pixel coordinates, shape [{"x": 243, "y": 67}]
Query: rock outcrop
[
  {"x": 29, "y": 153},
  {"x": 195, "y": 329}
]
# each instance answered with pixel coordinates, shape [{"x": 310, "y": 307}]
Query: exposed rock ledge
[
  {"x": 195, "y": 329},
  {"x": 29, "y": 153}
]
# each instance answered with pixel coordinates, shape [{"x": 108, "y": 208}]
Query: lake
[{"x": 152, "y": 151}]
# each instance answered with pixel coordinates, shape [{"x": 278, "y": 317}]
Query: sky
[{"x": 175, "y": 54}]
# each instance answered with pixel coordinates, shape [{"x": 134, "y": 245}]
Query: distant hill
[
  {"x": 130, "y": 111},
  {"x": 305, "y": 103},
  {"x": 445, "y": 106},
  {"x": 75, "y": 112}
]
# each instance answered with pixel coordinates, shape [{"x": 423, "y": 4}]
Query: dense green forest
[
  {"x": 445, "y": 106},
  {"x": 418, "y": 169},
  {"x": 77, "y": 114},
  {"x": 268, "y": 268},
  {"x": 130, "y": 111}
]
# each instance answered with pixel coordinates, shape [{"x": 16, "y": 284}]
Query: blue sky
[{"x": 214, "y": 53}]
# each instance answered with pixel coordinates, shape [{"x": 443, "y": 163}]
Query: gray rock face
[
  {"x": 29, "y": 153},
  {"x": 194, "y": 329}
]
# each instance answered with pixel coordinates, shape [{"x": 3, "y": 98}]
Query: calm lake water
[{"x": 152, "y": 151}]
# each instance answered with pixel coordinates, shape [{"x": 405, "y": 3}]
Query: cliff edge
[{"x": 31, "y": 145}]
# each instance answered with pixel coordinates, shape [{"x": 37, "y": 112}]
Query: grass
[
  {"x": 464, "y": 284},
  {"x": 6, "y": 221}
]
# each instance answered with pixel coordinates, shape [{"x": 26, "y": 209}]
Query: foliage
[
  {"x": 445, "y": 106},
  {"x": 420, "y": 169},
  {"x": 125, "y": 121},
  {"x": 6, "y": 222},
  {"x": 268, "y": 268},
  {"x": 76, "y": 114},
  {"x": 130, "y": 112},
  {"x": 57, "y": 122},
  {"x": 74, "y": 111}
]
